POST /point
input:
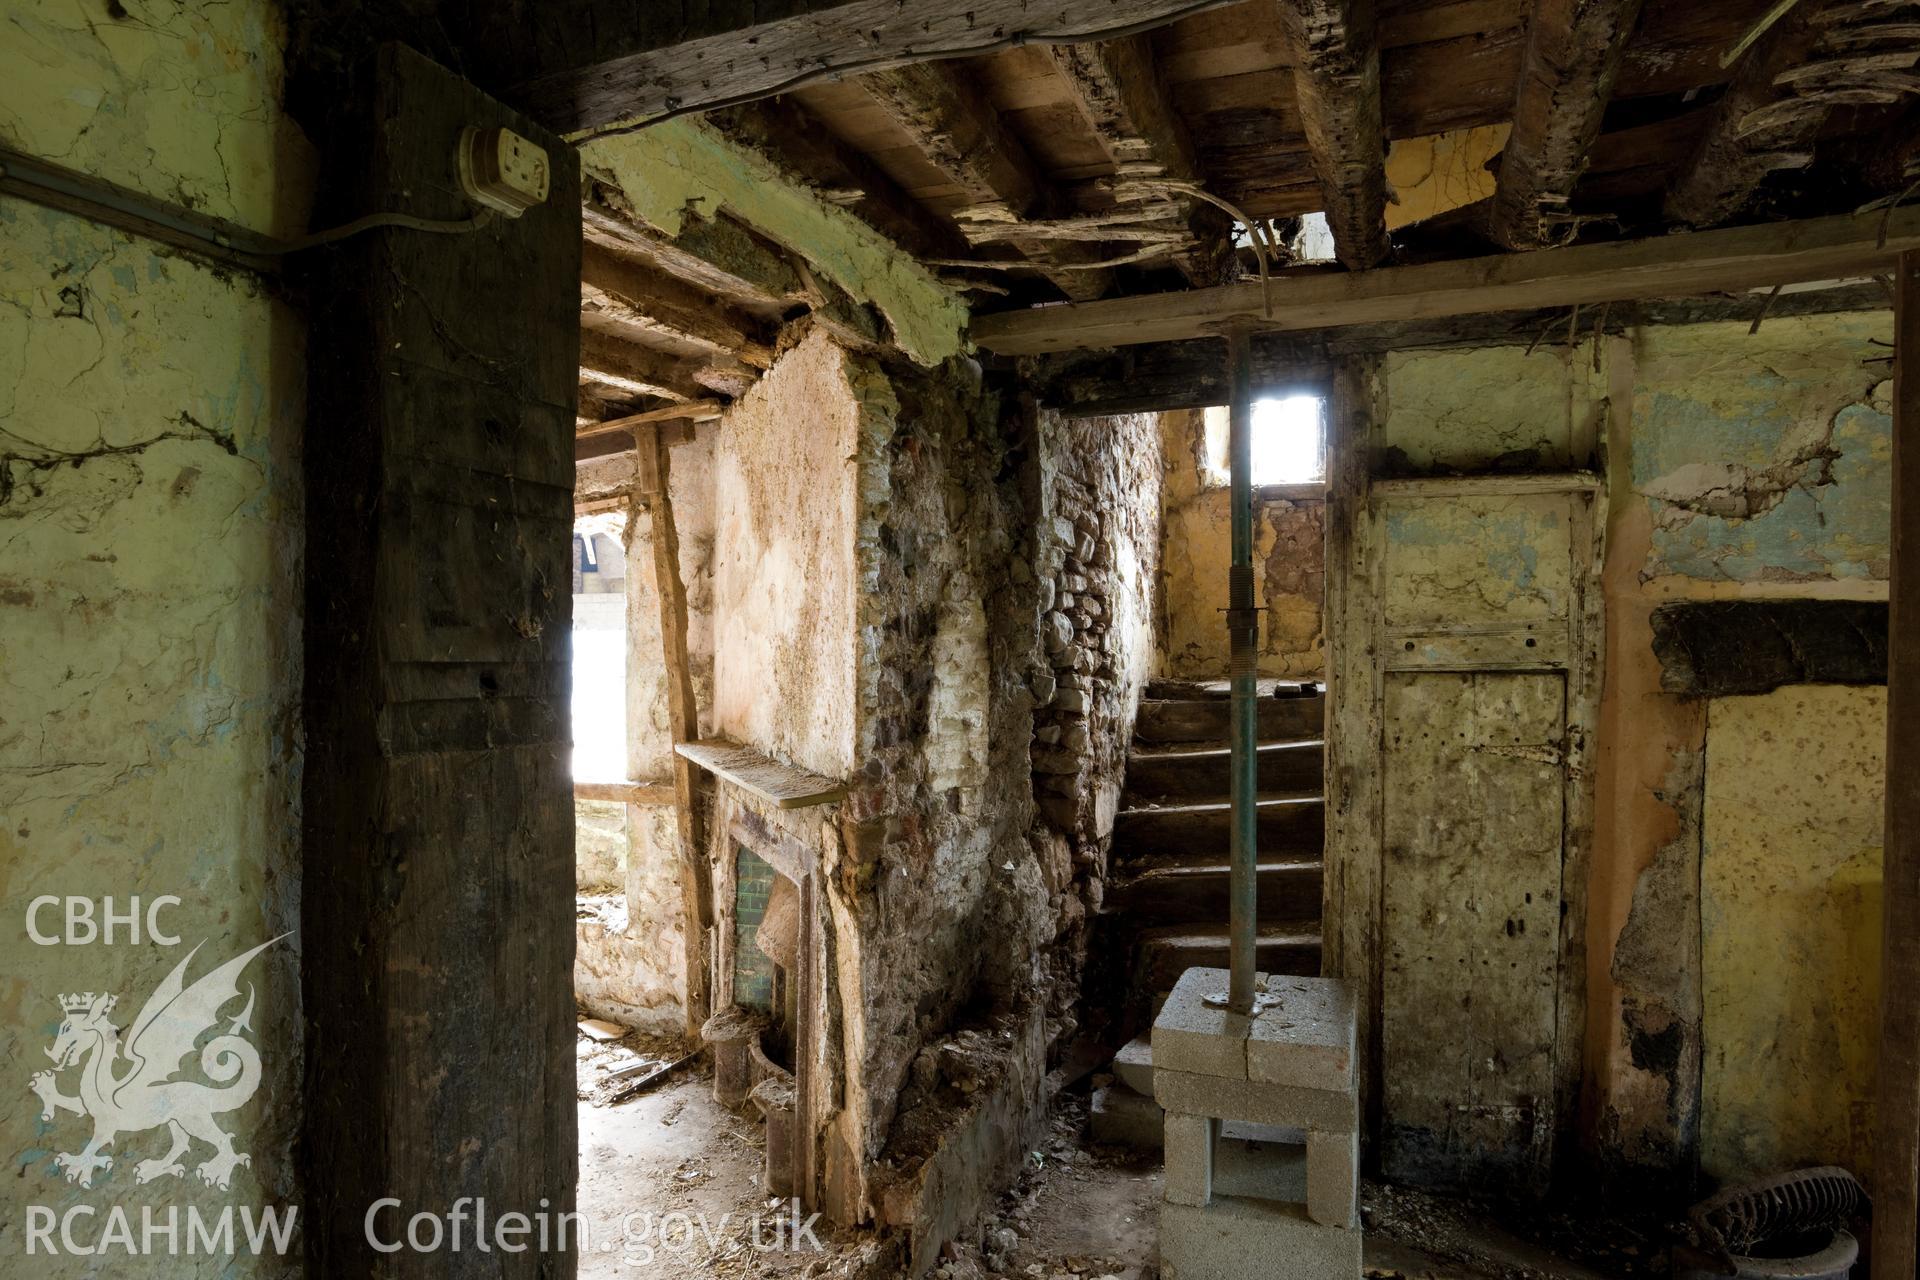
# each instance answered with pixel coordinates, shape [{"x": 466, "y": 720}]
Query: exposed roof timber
[
  {"x": 1771, "y": 115},
  {"x": 1663, "y": 266},
  {"x": 1193, "y": 374},
  {"x": 957, "y": 129},
  {"x": 1118, "y": 89},
  {"x": 691, "y": 411},
  {"x": 634, "y": 369},
  {"x": 646, "y": 60},
  {"x": 716, "y": 256},
  {"x": 1336, "y": 78},
  {"x": 1573, "y": 56},
  {"x": 664, "y": 306},
  {"x": 803, "y": 149}
]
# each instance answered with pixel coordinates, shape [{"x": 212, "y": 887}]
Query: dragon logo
[{"x": 129, "y": 1088}]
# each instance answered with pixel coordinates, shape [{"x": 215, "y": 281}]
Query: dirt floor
[{"x": 670, "y": 1186}]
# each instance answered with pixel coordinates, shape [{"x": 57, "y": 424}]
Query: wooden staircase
[{"x": 1167, "y": 902}]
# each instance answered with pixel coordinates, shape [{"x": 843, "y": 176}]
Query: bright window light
[{"x": 1289, "y": 441}]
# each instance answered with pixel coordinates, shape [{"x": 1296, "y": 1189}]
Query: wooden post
[
  {"x": 653, "y": 473},
  {"x": 1896, "y": 1155},
  {"x": 437, "y": 892}
]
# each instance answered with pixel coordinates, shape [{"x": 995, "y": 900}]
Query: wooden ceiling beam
[
  {"x": 1336, "y": 78},
  {"x": 1192, "y": 375},
  {"x": 608, "y": 61},
  {"x": 1574, "y": 52},
  {"x": 1119, "y": 90},
  {"x": 954, "y": 125},
  {"x": 1660, "y": 267},
  {"x": 1772, "y": 113}
]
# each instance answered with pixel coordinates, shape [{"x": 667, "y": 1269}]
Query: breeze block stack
[{"x": 1233, "y": 1209}]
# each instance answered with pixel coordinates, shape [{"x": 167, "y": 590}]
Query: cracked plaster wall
[
  {"x": 150, "y": 565},
  {"x": 1738, "y": 465},
  {"x": 1741, "y": 466}
]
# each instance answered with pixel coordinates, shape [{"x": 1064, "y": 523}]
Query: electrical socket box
[{"x": 502, "y": 170}]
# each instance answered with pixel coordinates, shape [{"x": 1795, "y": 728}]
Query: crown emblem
[{"x": 84, "y": 1001}]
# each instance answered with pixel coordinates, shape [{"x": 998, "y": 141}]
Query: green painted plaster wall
[
  {"x": 150, "y": 582},
  {"x": 681, "y": 166}
]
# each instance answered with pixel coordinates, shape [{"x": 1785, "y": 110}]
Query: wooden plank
[
  {"x": 625, "y": 792},
  {"x": 650, "y": 59},
  {"x": 437, "y": 900},
  {"x": 781, "y": 785},
  {"x": 1667, "y": 266},
  {"x": 691, "y": 411},
  {"x": 956, "y": 127},
  {"x": 652, "y": 495},
  {"x": 1896, "y": 1154},
  {"x": 1336, "y": 78},
  {"x": 1573, "y": 56}
]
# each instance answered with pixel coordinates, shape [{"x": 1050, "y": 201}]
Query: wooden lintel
[
  {"x": 1336, "y": 78},
  {"x": 1663, "y": 267},
  {"x": 649, "y": 59},
  {"x": 1573, "y": 54},
  {"x": 780, "y": 785},
  {"x": 625, "y": 792}
]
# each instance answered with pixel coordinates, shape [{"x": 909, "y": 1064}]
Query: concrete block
[
  {"x": 1236, "y": 1239},
  {"x": 1189, "y": 1172},
  {"x": 1134, "y": 1065},
  {"x": 1260, "y": 1170},
  {"x": 1311, "y": 1109},
  {"x": 1127, "y": 1119},
  {"x": 1307, "y": 1040},
  {"x": 1333, "y": 1178},
  {"x": 1191, "y": 1035}
]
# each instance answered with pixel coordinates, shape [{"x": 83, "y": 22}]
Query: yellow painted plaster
[
  {"x": 1790, "y": 915},
  {"x": 1438, "y": 172},
  {"x": 681, "y": 166}
]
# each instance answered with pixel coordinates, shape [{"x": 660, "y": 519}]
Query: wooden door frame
[{"x": 1357, "y": 665}]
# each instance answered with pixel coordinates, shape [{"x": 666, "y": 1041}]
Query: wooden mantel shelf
[{"x": 780, "y": 785}]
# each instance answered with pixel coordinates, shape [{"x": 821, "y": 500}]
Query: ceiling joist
[
  {"x": 1574, "y": 52},
  {"x": 1336, "y": 78}
]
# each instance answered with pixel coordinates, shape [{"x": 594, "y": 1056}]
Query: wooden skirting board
[{"x": 1666, "y": 266}]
